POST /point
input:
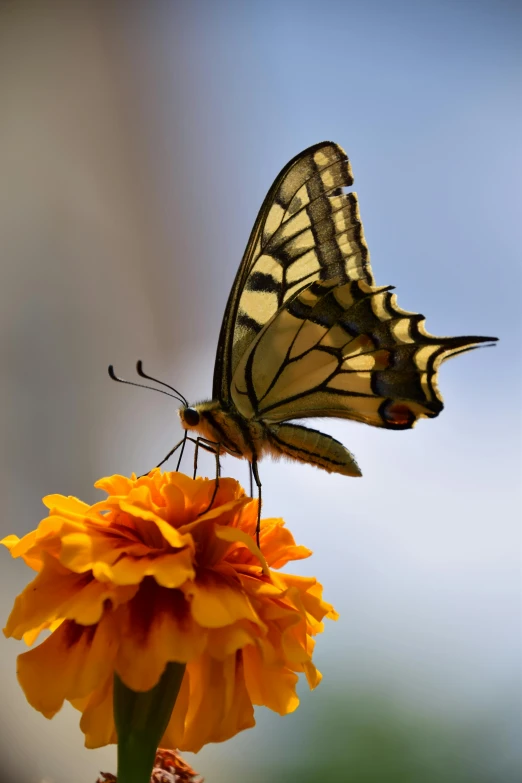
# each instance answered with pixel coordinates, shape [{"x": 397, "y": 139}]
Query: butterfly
[{"x": 308, "y": 333}]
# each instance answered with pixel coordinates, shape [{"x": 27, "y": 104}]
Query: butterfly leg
[
  {"x": 181, "y": 452},
  {"x": 251, "y": 479},
  {"x": 258, "y": 484},
  {"x": 196, "y": 459},
  {"x": 169, "y": 455},
  {"x": 215, "y": 449},
  {"x": 208, "y": 445},
  {"x": 218, "y": 476},
  {"x": 172, "y": 451}
]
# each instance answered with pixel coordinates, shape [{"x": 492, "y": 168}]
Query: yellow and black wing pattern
[
  {"x": 344, "y": 349},
  {"x": 308, "y": 229}
]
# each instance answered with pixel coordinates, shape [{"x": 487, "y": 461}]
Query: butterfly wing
[
  {"x": 344, "y": 349},
  {"x": 307, "y": 229}
]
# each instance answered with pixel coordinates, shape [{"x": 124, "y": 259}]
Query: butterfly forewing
[{"x": 308, "y": 229}]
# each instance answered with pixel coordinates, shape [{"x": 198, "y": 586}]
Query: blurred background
[{"x": 137, "y": 141}]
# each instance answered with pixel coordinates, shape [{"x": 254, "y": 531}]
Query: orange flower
[{"x": 148, "y": 576}]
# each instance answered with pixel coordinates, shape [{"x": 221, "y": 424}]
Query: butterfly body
[{"x": 252, "y": 439}]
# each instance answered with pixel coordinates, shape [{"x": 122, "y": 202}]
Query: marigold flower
[{"x": 149, "y": 576}]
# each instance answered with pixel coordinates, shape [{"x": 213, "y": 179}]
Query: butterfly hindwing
[
  {"x": 344, "y": 349},
  {"x": 307, "y": 229}
]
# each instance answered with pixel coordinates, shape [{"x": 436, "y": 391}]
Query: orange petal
[
  {"x": 157, "y": 627},
  {"x": 115, "y": 485},
  {"x": 40, "y": 601},
  {"x": 176, "y": 506},
  {"x": 20, "y": 547},
  {"x": 31, "y": 636},
  {"x": 217, "y": 601},
  {"x": 97, "y": 721},
  {"x": 213, "y": 705},
  {"x": 279, "y": 545},
  {"x": 57, "y": 593},
  {"x": 169, "y": 570},
  {"x": 70, "y": 506},
  {"x": 307, "y": 592},
  {"x": 223, "y": 642},
  {"x": 313, "y": 675},
  {"x": 10, "y": 541},
  {"x": 70, "y": 664},
  {"x": 272, "y": 687},
  {"x": 239, "y": 536}
]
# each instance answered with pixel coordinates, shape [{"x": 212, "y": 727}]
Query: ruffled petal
[
  {"x": 156, "y": 627},
  {"x": 56, "y": 593},
  {"x": 213, "y": 705},
  {"x": 115, "y": 485},
  {"x": 170, "y": 570},
  {"x": 272, "y": 686},
  {"x": 223, "y": 642},
  {"x": 70, "y": 664},
  {"x": 70, "y": 506},
  {"x": 97, "y": 721},
  {"x": 313, "y": 675},
  {"x": 31, "y": 636},
  {"x": 279, "y": 545},
  {"x": 216, "y": 601},
  {"x": 233, "y": 535},
  {"x": 39, "y": 603}
]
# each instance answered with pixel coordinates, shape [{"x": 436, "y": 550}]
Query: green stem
[{"x": 141, "y": 720}]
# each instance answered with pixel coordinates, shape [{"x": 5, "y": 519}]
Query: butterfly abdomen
[{"x": 313, "y": 447}]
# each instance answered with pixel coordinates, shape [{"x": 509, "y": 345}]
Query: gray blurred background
[{"x": 137, "y": 141}]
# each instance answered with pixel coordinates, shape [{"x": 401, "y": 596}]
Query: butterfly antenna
[
  {"x": 140, "y": 371},
  {"x": 139, "y": 385}
]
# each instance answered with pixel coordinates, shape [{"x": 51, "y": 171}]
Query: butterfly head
[
  {"x": 190, "y": 417},
  {"x": 200, "y": 418},
  {"x": 213, "y": 422}
]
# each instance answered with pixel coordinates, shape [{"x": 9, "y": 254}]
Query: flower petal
[
  {"x": 170, "y": 570},
  {"x": 212, "y": 706},
  {"x": 274, "y": 687},
  {"x": 115, "y": 485},
  {"x": 156, "y": 627},
  {"x": 239, "y": 536},
  {"x": 57, "y": 593},
  {"x": 97, "y": 722},
  {"x": 279, "y": 545},
  {"x": 70, "y": 506},
  {"x": 217, "y": 601},
  {"x": 69, "y": 664}
]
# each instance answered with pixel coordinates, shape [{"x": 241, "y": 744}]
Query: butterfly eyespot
[
  {"x": 396, "y": 414},
  {"x": 191, "y": 417}
]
